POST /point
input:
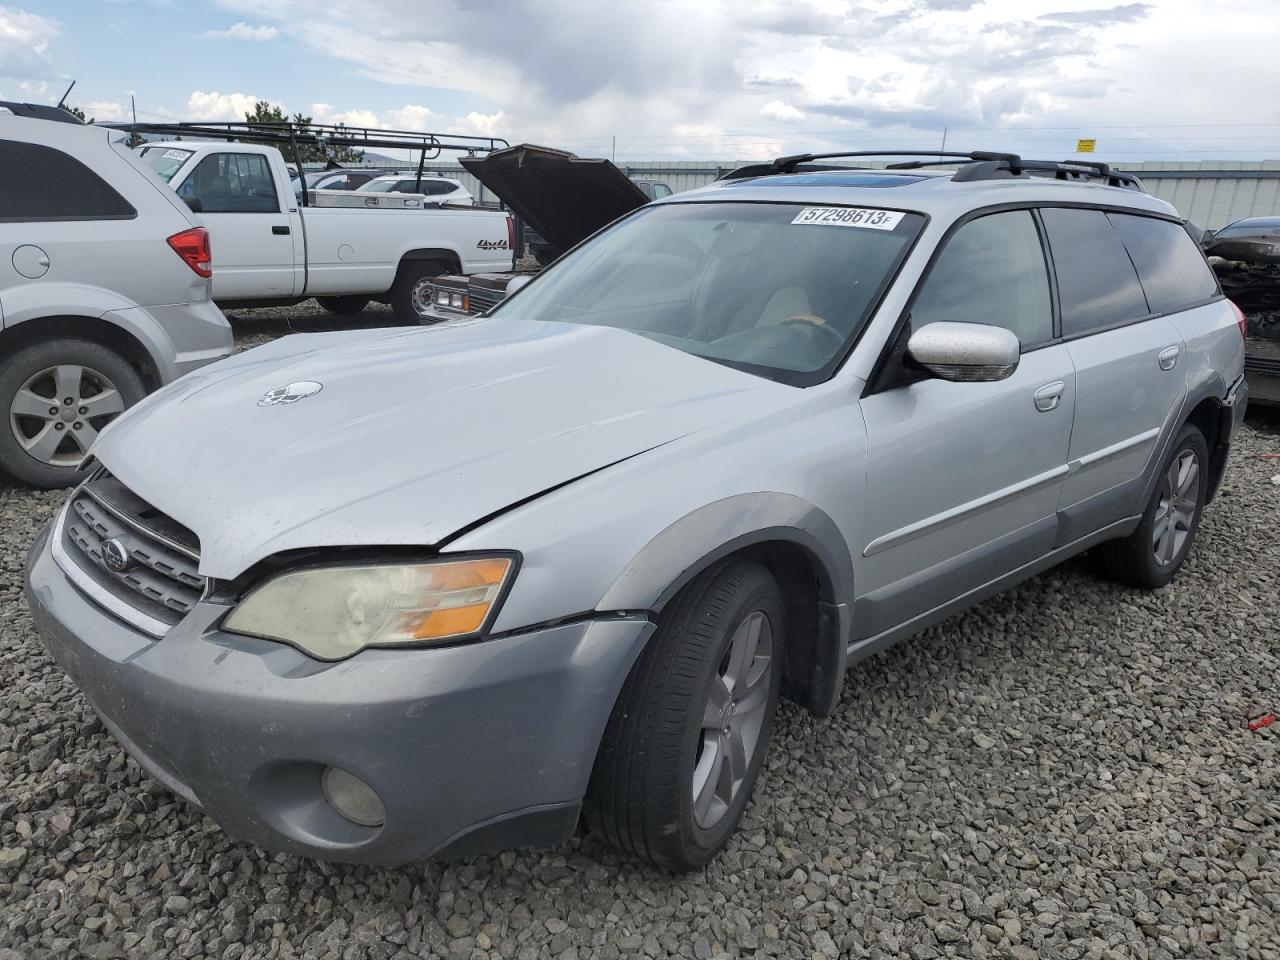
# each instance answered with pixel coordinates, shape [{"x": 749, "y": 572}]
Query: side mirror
[
  {"x": 194, "y": 203},
  {"x": 965, "y": 352}
]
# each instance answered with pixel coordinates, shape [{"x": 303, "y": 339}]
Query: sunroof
[{"x": 853, "y": 178}]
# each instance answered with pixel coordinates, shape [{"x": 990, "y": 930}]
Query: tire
[
  {"x": 408, "y": 278},
  {"x": 644, "y": 797},
  {"x": 343, "y": 306},
  {"x": 39, "y": 447},
  {"x": 1151, "y": 556}
]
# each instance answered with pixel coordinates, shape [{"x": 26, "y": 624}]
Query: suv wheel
[
  {"x": 56, "y": 397},
  {"x": 411, "y": 292},
  {"x": 1151, "y": 556},
  {"x": 343, "y": 305},
  {"x": 683, "y": 748}
]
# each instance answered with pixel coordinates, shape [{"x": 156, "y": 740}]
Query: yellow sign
[{"x": 1085, "y": 146}]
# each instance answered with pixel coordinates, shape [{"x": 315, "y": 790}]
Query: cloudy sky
[{"x": 684, "y": 79}]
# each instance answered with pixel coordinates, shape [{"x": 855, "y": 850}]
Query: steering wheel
[{"x": 815, "y": 323}]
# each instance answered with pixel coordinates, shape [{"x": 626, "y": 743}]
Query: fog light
[{"x": 352, "y": 797}]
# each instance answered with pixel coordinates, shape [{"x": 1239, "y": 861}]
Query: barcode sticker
[{"x": 849, "y": 217}]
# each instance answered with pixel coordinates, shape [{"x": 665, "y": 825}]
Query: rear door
[
  {"x": 963, "y": 479},
  {"x": 250, "y": 228},
  {"x": 1128, "y": 357}
]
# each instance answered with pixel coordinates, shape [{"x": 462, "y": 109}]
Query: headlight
[
  {"x": 442, "y": 298},
  {"x": 335, "y": 612},
  {"x": 455, "y": 301}
]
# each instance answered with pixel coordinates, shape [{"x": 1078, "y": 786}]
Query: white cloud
[
  {"x": 24, "y": 41},
  {"x": 778, "y": 110},
  {"x": 243, "y": 31},
  {"x": 108, "y": 110},
  {"x": 806, "y": 74},
  {"x": 34, "y": 90},
  {"x": 220, "y": 106}
]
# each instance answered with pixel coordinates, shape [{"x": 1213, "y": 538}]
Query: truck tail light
[
  {"x": 511, "y": 235},
  {"x": 1239, "y": 320},
  {"x": 193, "y": 247}
]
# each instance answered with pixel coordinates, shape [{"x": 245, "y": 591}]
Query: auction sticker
[{"x": 849, "y": 217}]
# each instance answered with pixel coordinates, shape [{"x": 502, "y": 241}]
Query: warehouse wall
[{"x": 1212, "y": 193}]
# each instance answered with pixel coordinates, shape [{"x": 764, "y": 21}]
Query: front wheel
[
  {"x": 1151, "y": 556},
  {"x": 56, "y": 396},
  {"x": 684, "y": 746},
  {"x": 411, "y": 292}
]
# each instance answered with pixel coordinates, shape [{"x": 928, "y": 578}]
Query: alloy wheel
[
  {"x": 56, "y": 414},
  {"x": 732, "y": 719},
  {"x": 1176, "y": 509}
]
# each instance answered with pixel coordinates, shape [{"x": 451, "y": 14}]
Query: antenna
[{"x": 67, "y": 94}]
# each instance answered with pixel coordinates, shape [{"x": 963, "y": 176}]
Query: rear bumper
[
  {"x": 469, "y": 748},
  {"x": 1234, "y": 406}
]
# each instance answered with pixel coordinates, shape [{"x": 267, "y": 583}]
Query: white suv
[{"x": 104, "y": 289}]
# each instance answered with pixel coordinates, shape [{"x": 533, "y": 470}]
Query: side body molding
[{"x": 710, "y": 533}]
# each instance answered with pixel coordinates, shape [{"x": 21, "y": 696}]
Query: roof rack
[
  {"x": 974, "y": 165},
  {"x": 40, "y": 111},
  {"x": 293, "y": 135}
]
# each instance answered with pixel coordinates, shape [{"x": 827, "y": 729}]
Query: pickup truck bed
[{"x": 269, "y": 248}]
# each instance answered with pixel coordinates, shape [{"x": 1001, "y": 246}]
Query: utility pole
[
  {"x": 133, "y": 108},
  {"x": 944, "y": 139},
  {"x": 614, "y": 157}
]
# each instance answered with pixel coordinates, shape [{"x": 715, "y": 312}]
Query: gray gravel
[{"x": 1063, "y": 772}]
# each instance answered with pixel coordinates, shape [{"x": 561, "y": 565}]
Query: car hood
[
  {"x": 565, "y": 198},
  {"x": 412, "y": 436}
]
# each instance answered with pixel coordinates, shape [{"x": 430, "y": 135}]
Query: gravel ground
[{"x": 1064, "y": 771}]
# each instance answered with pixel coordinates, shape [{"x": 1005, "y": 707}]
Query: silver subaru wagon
[{"x": 438, "y": 591}]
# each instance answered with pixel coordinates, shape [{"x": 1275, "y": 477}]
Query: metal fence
[{"x": 1212, "y": 193}]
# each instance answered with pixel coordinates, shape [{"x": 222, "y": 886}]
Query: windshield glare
[
  {"x": 775, "y": 289},
  {"x": 379, "y": 186},
  {"x": 165, "y": 161}
]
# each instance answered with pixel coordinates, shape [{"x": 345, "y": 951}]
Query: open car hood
[{"x": 564, "y": 197}]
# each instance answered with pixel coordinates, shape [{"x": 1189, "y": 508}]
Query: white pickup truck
[{"x": 268, "y": 248}]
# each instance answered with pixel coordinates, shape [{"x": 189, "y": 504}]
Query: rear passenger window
[
  {"x": 41, "y": 183},
  {"x": 1097, "y": 285},
  {"x": 232, "y": 183},
  {"x": 1173, "y": 272},
  {"x": 991, "y": 271}
]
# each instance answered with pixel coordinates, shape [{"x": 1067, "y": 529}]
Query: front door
[
  {"x": 964, "y": 478},
  {"x": 250, "y": 230}
]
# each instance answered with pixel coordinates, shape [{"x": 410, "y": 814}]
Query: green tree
[
  {"x": 268, "y": 113},
  {"x": 77, "y": 113}
]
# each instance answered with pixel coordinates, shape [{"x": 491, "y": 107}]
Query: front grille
[
  {"x": 481, "y": 301},
  {"x": 1265, "y": 366},
  {"x": 134, "y": 552}
]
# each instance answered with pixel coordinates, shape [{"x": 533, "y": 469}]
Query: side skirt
[{"x": 859, "y": 650}]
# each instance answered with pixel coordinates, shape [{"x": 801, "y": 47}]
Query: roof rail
[{"x": 974, "y": 165}]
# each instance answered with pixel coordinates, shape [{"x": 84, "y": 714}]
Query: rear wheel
[
  {"x": 687, "y": 737},
  {"x": 1151, "y": 556},
  {"x": 411, "y": 292},
  {"x": 56, "y": 397},
  {"x": 343, "y": 305}
]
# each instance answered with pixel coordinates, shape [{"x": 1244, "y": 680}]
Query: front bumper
[{"x": 471, "y": 748}]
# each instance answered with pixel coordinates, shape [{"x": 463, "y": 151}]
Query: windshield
[
  {"x": 379, "y": 186},
  {"x": 165, "y": 161},
  {"x": 776, "y": 289}
]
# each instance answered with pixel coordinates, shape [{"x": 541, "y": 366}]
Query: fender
[
  {"x": 692, "y": 544},
  {"x": 1210, "y": 386},
  {"x": 34, "y": 302}
]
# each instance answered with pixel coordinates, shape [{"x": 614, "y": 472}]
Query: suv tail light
[
  {"x": 1241, "y": 322},
  {"x": 193, "y": 247},
  {"x": 511, "y": 235}
]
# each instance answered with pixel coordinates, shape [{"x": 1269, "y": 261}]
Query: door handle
[
  {"x": 1168, "y": 357},
  {"x": 1050, "y": 395},
  {"x": 280, "y": 231}
]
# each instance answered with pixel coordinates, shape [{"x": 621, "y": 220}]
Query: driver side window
[
  {"x": 232, "y": 183},
  {"x": 991, "y": 271}
]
